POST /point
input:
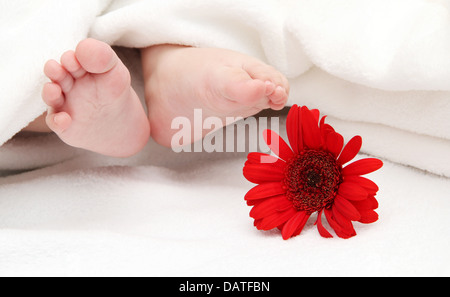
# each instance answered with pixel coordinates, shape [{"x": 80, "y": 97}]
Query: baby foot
[
  {"x": 91, "y": 102},
  {"x": 221, "y": 82}
]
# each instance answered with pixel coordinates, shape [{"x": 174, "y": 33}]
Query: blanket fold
[{"x": 383, "y": 64}]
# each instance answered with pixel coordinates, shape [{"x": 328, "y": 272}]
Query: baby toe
[
  {"x": 58, "y": 122},
  {"x": 96, "y": 56},
  {"x": 70, "y": 63},
  {"x": 59, "y": 75},
  {"x": 52, "y": 95},
  {"x": 279, "y": 96},
  {"x": 270, "y": 88}
]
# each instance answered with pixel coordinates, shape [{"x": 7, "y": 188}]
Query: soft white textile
[
  {"x": 379, "y": 69},
  {"x": 164, "y": 214},
  {"x": 380, "y": 63},
  {"x": 31, "y": 32}
]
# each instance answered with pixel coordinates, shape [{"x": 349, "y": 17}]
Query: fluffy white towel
[
  {"x": 31, "y": 32},
  {"x": 167, "y": 214},
  {"x": 378, "y": 68},
  {"x": 381, "y": 62}
]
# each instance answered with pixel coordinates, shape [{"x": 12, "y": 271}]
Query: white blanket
[{"x": 380, "y": 69}]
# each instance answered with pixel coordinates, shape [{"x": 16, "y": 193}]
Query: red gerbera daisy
[{"x": 309, "y": 177}]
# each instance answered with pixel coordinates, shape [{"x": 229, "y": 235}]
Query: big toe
[{"x": 96, "y": 56}]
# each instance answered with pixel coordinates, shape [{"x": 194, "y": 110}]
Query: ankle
[{"x": 155, "y": 55}]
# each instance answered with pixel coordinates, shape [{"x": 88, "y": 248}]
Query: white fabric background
[{"x": 377, "y": 68}]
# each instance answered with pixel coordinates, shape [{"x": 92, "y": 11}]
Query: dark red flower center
[{"x": 312, "y": 180}]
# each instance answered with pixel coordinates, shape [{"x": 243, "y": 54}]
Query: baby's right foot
[
  {"x": 222, "y": 83},
  {"x": 91, "y": 102}
]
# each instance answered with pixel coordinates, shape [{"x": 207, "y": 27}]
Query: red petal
[
  {"x": 368, "y": 217},
  {"x": 293, "y": 129},
  {"x": 373, "y": 201},
  {"x": 335, "y": 142},
  {"x": 346, "y": 208},
  {"x": 316, "y": 114},
  {"x": 352, "y": 191},
  {"x": 336, "y": 227},
  {"x": 257, "y": 222},
  {"x": 276, "y": 219},
  {"x": 331, "y": 221},
  {"x": 350, "y": 150},
  {"x": 369, "y": 204},
  {"x": 258, "y": 158},
  {"x": 262, "y": 173},
  {"x": 333, "y": 224},
  {"x": 278, "y": 145},
  {"x": 300, "y": 146},
  {"x": 311, "y": 132},
  {"x": 270, "y": 206},
  {"x": 266, "y": 166},
  {"x": 265, "y": 190},
  {"x": 346, "y": 224},
  {"x": 322, "y": 231},
  {"x": 362, "y": 167},
  {"x": 325, "y": 129},
  {"x": 367, "y": 184},
  {"x": 322, "y": 126},
  {"x": 294, "y": 225}
]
